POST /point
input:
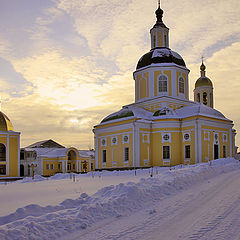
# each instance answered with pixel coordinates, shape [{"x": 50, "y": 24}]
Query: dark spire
[{"x": 159, "y": 16}]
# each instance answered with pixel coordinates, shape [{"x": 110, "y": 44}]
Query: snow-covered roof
[
  {"x": 58, "y": 152},
  {"x": 199, "y": 109},
  {"x": 194, "y": 109}
]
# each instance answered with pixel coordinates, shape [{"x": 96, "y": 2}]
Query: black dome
[{"x": 160, "y": 55}]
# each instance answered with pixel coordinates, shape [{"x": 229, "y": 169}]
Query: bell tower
[{"x": 203, "y": 92}]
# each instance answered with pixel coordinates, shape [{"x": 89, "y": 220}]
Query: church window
[
  {"x": 59, "y": 166},
  {"x": 166, "y": 152},
  {"x": 166, "y": 137},
  {"x": 186, "y": 136},
  {"x": 205, "y": 98},
  {"x": 126, "y": 154},
  {"x": 198, "y": 97},
  {"x": 2, "y": 152},
  {"x": 114, "y": 140},
  {"x": 47, "y": 166},
  {"x": 52, "y": 167},
  {"x": 187, "y": 151},
  {"x": 154, "y": 41},
  {"x": 103, "y": 142},
  {"x": 162, "y": 84},
  {"x": 224, "y": 151},
  {"x": 73, "y": 166},
  {"x": 104, "y": 156},
  {"x": 125, "y": 139},
  {"x": 2, "y": 169},
  {"x": 181, "y": 85},
  {"x": 165, "y": 40}
]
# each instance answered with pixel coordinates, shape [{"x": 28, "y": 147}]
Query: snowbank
[{"x": 53, "y": 222}]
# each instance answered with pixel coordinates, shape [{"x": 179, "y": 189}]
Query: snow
[
  {"x": 120, "y": 205},
  {"x": 161, "y": 53}
]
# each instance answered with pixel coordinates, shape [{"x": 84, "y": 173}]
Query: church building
[
  {"x": 163, "y": 127},
  {"x": 9, "y": 149}
]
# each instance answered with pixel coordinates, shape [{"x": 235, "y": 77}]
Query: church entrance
[
  {"x": 216, "y": 151},
  {"x": 21, "y": 170}
]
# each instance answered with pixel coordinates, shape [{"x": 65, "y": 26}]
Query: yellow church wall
[
  {"x": 208, "y": 142},
  {"x": 145, "y": 149},
  {"x": 142, "y": 85},
  {"x": 13, "y": 156},
  {"x": 115, "y": 152},
  {"x": 157, "y": 148}
]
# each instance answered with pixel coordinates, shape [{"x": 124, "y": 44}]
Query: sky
[{"x": 67, "y": 64}]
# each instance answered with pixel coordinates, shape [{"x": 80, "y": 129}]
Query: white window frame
[
  {"x": 187, "y": 140},
  {"x": 166, "y": 133},
  {"x": 125, "y": 135},
  {"x": 103, "y": 145},
  {"x": 225, "y": 135},
  {"x": 216, "y": 141},
  {"x": 112, "y": 143},
  {"x": 166, "y": 159},
  {"x": 158, "y": 84},
  {"x": 52, "y": 166},
  {"x": 47, "y": 166},
  {"x": 145, "y": 134},
  {"x": 208, "y": 137}
]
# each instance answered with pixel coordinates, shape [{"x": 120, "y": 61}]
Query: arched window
[
  {"x": 198, "y": 97},
  {"x": 205, "y": 98},
  {"x": 72, "y": 155},
  {"x": 181, "y": 85},
  {"x": 2, "y": 152},
  {"x": 162, "y": 84}
]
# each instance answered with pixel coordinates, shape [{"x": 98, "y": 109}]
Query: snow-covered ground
[{"x": 188, "y": 202}]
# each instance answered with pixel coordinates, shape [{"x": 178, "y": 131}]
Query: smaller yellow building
[
  {"x": 9, "y": 149},
  {"x": 47, "y": 158}
]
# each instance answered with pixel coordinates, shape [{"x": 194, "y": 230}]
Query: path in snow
[{"x": 208, "y": 210}]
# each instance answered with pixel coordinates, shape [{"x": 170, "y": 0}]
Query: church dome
[
  {"x": 160, "y": 55},
  {"x": 203, "y": 82},
  {"x": 5, "y": 123}
]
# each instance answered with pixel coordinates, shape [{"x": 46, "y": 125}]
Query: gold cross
[
  {"x": 159, "y": 3},
  {"x": 202, "y": 58}
]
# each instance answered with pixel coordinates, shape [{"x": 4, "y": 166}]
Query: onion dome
[
  {"x": 5, "y": 123},
  {"x": 160, "y": 55},
  {"x": 159, "y": 16},
  {"x": 203, "y": 81}
]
